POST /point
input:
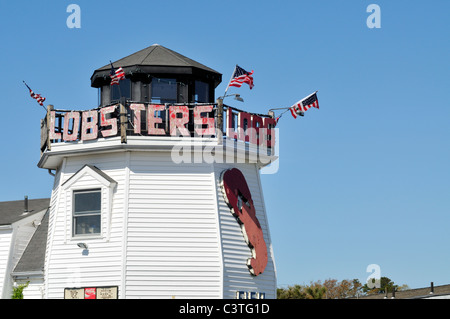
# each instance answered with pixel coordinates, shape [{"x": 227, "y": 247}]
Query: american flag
[
  {"x": 305, "y": 104},
  {"x": 38, "y": 97},
  {"x": 241, "y": 76},
  {"x": 116, "y": 75}
]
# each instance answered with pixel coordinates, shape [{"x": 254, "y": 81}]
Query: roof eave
[
  {"x": 26, "y": 274},
  {"x": 101, "y": 77}
]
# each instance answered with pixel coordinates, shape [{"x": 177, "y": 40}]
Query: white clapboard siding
[
  {"x": 173, "y": 249},
  {"x": 54, "y": 201},
  {"x": 5, "y": 250},
  {"x": 35, "y": 288},
  {"x": 66, "y": 265},
  {"x": 166, "y": 232},
  {"x": 236, "y": 276}
]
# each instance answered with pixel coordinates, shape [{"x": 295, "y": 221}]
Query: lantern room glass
[{"x": 164, "y": 90}]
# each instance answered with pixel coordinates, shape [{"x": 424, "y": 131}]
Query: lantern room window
[
  {"x": 164, "y": 90},
  {"x": 86, "y": 212},
  {"x": 123, "y": 89},
  {"x": 201, "y": 92}
]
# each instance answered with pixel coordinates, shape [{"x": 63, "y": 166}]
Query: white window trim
[{"x": 102, "y": 182}]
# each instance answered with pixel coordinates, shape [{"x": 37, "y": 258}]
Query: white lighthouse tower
[{"x": 157, "y": 192}]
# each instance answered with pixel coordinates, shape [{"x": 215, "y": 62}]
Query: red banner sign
[{"x": 104, "y": 122}]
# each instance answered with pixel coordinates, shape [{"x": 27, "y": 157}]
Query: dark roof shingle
[
  {"x": 33, "y": 256},
  {"x": 13, "y": 211},
  {"x": 156, "y": 55}
]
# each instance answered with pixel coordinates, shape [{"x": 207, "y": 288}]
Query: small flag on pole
[
  {"x": 35, "y": 96},
  {"x": 116, "y": 75},
  {"x": 241, "y": 76},
  {"x": 305, "y": 104}
]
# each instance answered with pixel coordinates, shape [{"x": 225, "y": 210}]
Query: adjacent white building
[{"x": 21, "y": 250}]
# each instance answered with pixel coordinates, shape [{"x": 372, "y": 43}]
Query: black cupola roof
[{"x": 155, "y": 61}]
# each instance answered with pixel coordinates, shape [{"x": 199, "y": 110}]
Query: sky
[{"x": 362, "y": 180}]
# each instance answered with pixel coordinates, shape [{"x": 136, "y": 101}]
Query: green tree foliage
[
  {"x": 292, "y": 292},
  {"x": 386, "y": 285},
  {"x": 334, "y": 289},
  {"x": 18, "y": 291},
  {"x": 329, "y": 289},
  {"x": 315, "y": 292}
]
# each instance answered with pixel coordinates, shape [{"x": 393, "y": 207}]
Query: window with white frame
[
  {"x": 89, "y": 194},
  {"x": 87, "y": 210}
]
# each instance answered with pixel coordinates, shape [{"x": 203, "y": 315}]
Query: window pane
[
  {"x": 121, "y": 90},
  {"x": 87, "y": 212},
  {"x": 87, "y": 225},
  {"x": 201, "y": 92},
  {"x": 87, "y": 202},
  {"x": 164, "y": 90}
]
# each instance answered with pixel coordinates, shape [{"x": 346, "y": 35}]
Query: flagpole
[
  {"x": 228, "y": 86},
  {"x": 288, "y": 108},
  {"x": 282, "y": 108},
  {"x": 118, "y": 84}
]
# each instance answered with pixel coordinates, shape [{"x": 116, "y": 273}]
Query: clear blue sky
[{"x": 363, "y": 180}]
